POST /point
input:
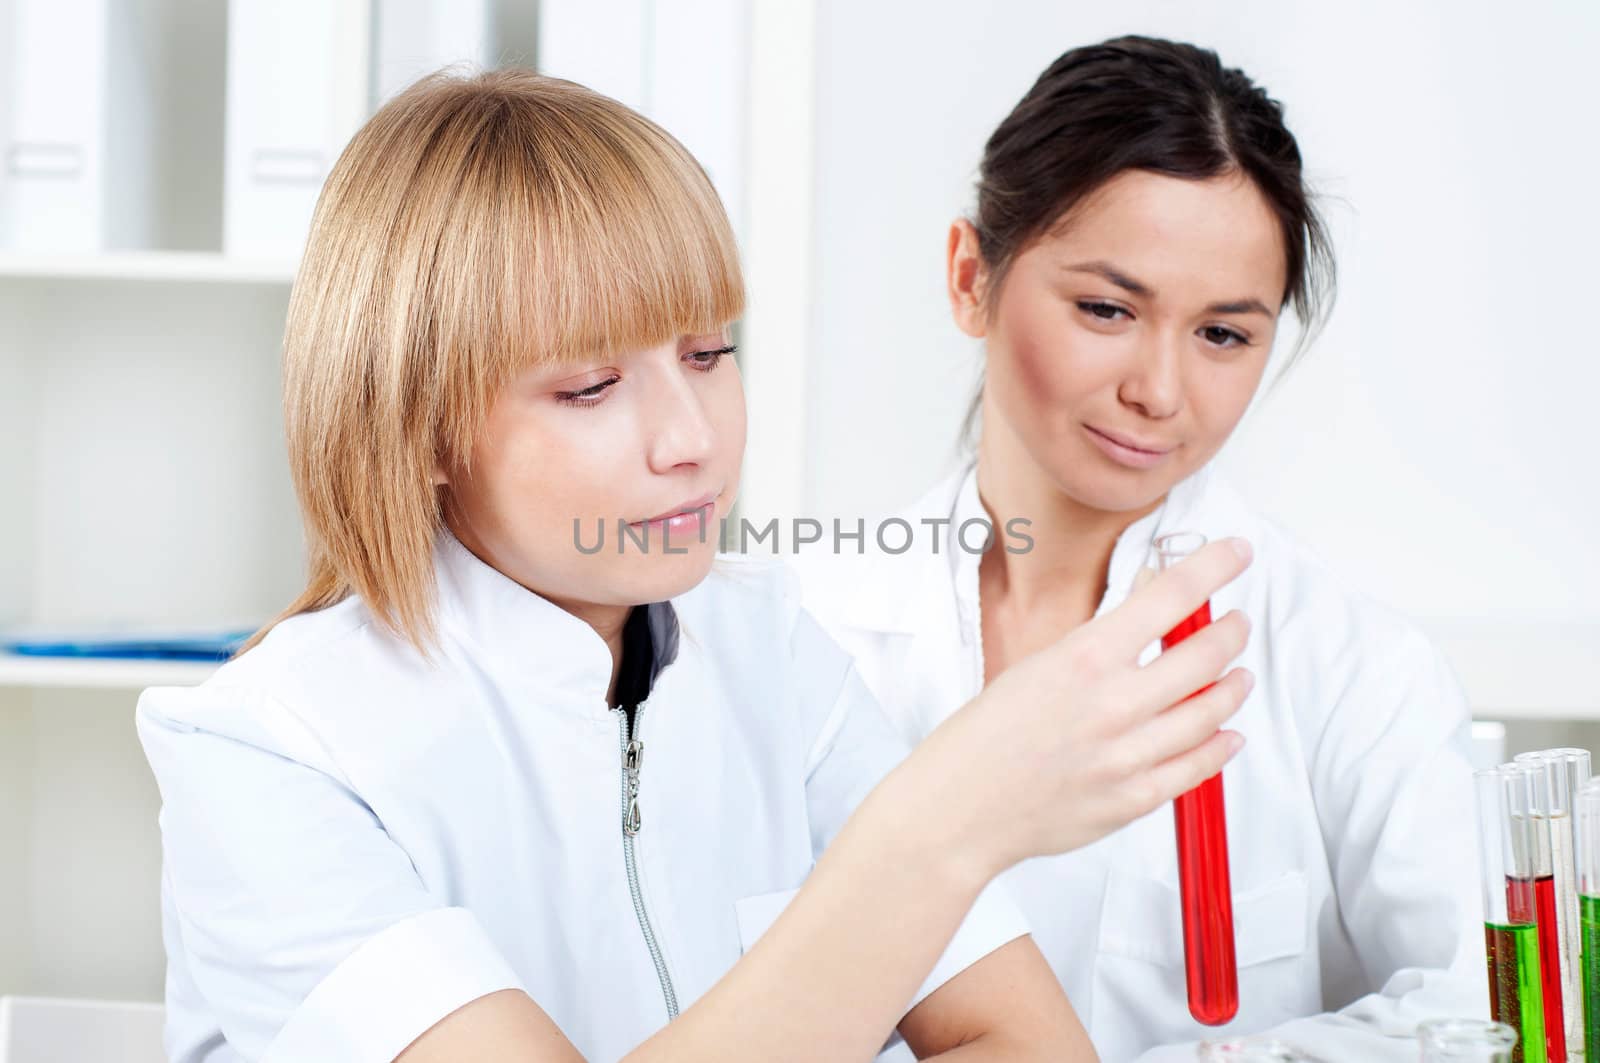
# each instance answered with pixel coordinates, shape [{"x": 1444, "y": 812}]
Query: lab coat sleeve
[
  {"x": 851, "y": 747},
  {"x": 302, "y": 923},
  {"x": 1391, "y": 775}
]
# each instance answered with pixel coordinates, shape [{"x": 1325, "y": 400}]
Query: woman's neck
[
  {"x": 608, "y": 622},
  {"x": 1067, "y": 567}
]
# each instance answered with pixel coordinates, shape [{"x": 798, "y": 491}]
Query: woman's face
[
  {"x": 650, "y": 441},
  {"x": 1124, "y": 347}
]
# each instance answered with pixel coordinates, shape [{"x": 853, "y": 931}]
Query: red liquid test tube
[
  {"x": 1532, "y": 898},
  {"x": 1210, "y": 968}
]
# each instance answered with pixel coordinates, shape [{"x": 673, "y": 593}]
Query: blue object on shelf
[{"x": 214, "y": 647}]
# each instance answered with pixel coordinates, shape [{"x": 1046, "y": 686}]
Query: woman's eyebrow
[
  {"x": 1240, "y": 306},
  {"x": 1101, "y": 268}
]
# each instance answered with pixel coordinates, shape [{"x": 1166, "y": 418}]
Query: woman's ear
[{"x": 966, "y": 278}]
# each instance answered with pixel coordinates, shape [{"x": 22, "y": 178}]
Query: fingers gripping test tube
[
  {"x": 1507, "y": 851},
  {"x": 1210, "y": 968}
]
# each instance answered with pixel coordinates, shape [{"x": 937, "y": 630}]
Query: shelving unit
[
  {"x": 204, "y": 267},
  {"x": 36, "y": 673},
  {"x": 144, "y": 485}
]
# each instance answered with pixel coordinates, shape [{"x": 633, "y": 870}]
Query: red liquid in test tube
[
  {"x": 1534, "y": 901},
  {"x": 1210, "y": 968},
  {"x": 1555, "y": 1029}
]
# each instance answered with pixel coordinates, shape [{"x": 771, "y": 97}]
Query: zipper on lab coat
[{"x": 632, "y": 822}]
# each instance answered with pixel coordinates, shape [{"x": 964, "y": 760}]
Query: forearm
[
  {"x": 1007, "y": 1006},
  {"x": 837, "y": 970},
  {"x": 996, "y": 1048}
]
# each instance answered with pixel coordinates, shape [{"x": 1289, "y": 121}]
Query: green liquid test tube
[
  {"x": 1589, "y": 929},
  {"x": 1507, "y": 852},
  {"x": 1588, "y": 824},
  {"x": 1516, "y": 996}
]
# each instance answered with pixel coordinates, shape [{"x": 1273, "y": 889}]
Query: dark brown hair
[{"x": 1139, "y": 103}]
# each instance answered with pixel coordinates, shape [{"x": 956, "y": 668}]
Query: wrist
[{"x": 932, "y": 827}]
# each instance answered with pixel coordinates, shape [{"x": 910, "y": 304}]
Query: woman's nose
[
  {"x": 1154, "y": 382},
  {"x": 680, "y": 432}
]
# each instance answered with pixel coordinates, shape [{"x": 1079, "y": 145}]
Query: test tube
[
  {"x": 1466, "y": 1041},
  {"x": 1210, "y": 969},
  {"x": 1565, "y": 771},
  {"x": 1536, "y": 807},
  {"x": 1577, "y": 772},
  {"x": 1588, "y": 808},
  {"x": 1511, "y": 932}
]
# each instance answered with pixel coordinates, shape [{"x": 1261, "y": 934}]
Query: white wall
[
  {"x": 680, "y": 63},
  {"x": 154, "y": 460},
  {"x": 93, "y": 867},
  {"x": 1436, "y": 446}
]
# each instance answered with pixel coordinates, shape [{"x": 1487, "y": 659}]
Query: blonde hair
[{"x": 474, "y": 227}]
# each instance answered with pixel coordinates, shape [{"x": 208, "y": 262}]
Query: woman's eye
[
  {"x": 1224, "y": 337},
  {"x": 705, "y": 361},
  {"x": 585, "y": 396},
  {"x": 1103, "y": 311}
]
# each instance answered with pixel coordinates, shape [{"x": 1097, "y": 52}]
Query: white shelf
[
  {"x": 184, "y": 266},
  {"x": 17, "y": 670}
]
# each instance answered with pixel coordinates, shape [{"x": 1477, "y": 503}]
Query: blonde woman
[{"x": 486, "y": 792}]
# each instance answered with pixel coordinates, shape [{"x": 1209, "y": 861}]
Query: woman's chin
[
  {"x": 657, "y": 577},
  {"x": 1116, "y": 490}
]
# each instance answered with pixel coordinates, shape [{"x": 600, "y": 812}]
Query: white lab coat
[
  {"x": 358, "y": 841},
  {"x": 1349, "y": 809}
]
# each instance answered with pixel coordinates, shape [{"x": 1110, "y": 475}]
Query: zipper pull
[{"x": 632, "y": 759}]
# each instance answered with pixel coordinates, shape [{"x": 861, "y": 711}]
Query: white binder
[
  {"x": 297, "y": 91},
  {"x": 681, "y": 63},
  {"x": 417, "y": 37},
  {"x": 75, "y": 120}
]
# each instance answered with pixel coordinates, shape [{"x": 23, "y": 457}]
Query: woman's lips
[
  {"x": 689, "y": 519},
  {"x": 1125, "y": 451}
]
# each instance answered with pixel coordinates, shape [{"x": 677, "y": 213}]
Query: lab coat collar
[
  {"x": 528, "y": 638},
  {"x": 900, "y": 593}
]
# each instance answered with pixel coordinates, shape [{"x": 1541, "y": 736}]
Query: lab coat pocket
[
  {"x": 1139, "y": 969},
  {"x": 759, "y": 911},
  {"x": 1142, "y": 918}
]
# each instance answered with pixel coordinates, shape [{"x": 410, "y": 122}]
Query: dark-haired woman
[{"x": 1141, "y": 223}]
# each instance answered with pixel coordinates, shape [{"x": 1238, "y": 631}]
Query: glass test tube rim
[
  {"x": 1568, "y": 753},
  {"x": 1527, "y": 787},
  {"x": 1454, "y": 1035},
  {"x": 1560, "y": 785},
  {"x": 1586, "y": 820},
  {"x": 1175, "y": 546},
  {"x": 1496, "y": 830},
  {"x": 1269, "y": 1049}
]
